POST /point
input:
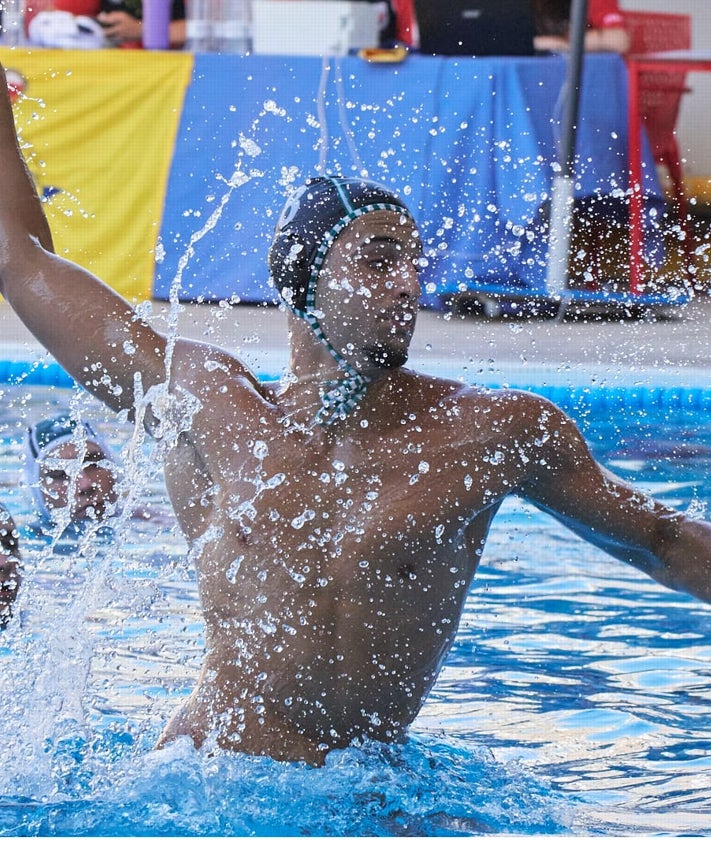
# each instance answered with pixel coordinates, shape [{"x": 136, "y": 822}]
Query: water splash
[{"x": 425, "y": 787}]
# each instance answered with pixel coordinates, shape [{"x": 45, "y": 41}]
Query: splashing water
[
  {"x": 423, "y": 788},
  {"x": 45, "y": 674},
  {"x": 563, "y": 706}
]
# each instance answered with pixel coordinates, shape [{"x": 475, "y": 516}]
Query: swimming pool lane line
[{"x": 581, "y": 397}]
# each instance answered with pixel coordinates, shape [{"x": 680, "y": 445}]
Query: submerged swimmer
[
  {"x": 10, "y": 577},
  {"x": 72, "y": 476},
  {"x": 336, "y": 520},
  {"x": 70, "y": 470}
]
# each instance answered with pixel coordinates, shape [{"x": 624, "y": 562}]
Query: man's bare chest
[{"x": 355, "y": 501}]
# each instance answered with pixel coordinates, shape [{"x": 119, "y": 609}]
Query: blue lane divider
[
  {"x": 574, "y": 399},
  {"x": 23, "y": 372},
  {"x": 609, "y": 398}
]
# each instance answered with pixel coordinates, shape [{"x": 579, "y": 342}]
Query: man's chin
[{"x": 387, "y": 358}]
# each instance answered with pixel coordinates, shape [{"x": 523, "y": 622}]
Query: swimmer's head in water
[
  {"x": 308, "y": 226},
  {"x": 52, "y": 447}
]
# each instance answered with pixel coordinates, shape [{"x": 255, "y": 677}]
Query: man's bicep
[
  {"x": 565, "y": 479},
  {"x": 219, "y": 397},
  {"x": 91, "y": 331}
]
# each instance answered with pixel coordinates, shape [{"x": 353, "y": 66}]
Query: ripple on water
[{"x": 575, "y": 699}]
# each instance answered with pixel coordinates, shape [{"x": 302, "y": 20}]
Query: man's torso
[{"x": 335, "y": 563}]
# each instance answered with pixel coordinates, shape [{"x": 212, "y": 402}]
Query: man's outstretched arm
[
  {"x": 568, "y": 483},
  {"x": 90, "y": 330}
]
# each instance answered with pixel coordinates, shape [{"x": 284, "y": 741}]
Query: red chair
[{"x": 661, "y": 92}]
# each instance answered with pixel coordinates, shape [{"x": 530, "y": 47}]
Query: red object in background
[
  {"x": 16, "y": 83},
  {"x": 660, "y": 91},
  {"x": 605, "y": 14},
  {"x": 76, "y": 7},
  {"x": 405, "y": 21},
  {"x": 654, "y": 63},
  {"x": 656, "y": 86}
]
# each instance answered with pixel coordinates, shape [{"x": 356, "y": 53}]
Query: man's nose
[{"x": 406, "y": 282}]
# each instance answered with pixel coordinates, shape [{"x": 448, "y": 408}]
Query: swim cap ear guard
[
  {"x": 289, "y": 268},
  {"x": 308, "y": 225}
]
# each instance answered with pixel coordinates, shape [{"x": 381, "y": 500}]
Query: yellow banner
[{"x": 98, "y": 130}]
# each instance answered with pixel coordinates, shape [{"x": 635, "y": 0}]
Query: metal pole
[{"x": 563, "y": 191}]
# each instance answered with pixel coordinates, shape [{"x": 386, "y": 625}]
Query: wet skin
[
  {"x": 333, "y": 562},
  {"x": 341, "y": 556}
]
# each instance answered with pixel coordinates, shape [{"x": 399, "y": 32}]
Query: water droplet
[{"x": 233, "y": 569}]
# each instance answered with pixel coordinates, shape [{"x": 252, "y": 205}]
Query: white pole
[
  {"x": 559, "y": 230},
  {"x": 563, "y": 192}
]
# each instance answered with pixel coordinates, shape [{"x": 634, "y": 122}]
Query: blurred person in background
[
  {"x": 71, "y": 472},
  {"x": 606, "y": 31},
  {"x": 123, "y": 25}
]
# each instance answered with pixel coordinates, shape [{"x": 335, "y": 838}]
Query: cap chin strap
[{"x": 341, "y": 395}]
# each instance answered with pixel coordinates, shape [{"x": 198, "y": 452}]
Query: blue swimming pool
[{"x": 576, "y": 699}]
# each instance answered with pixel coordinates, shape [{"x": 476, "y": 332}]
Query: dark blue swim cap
[{"x": 311, "y": 220}]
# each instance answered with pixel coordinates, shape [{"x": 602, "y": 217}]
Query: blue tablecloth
[{"x": 470, "y": 143}]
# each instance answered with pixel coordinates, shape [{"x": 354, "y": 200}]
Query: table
[
  {"x": 677, "y": 60},
  {"x": 471, "y": 143},
  {"x": 186, "y": 159}
]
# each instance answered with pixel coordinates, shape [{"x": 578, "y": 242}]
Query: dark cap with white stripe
[{"x": 308, "y": 225}]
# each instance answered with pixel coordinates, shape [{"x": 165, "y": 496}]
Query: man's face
[
  {"x": 368, "y": 290},
  {"x": 86, "y": 488},
  {"x": 9, "y": 558}
]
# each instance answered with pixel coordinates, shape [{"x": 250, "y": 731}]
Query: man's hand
[{"x": 120, "y": 26}]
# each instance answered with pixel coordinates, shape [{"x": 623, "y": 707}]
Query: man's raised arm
[
  {"x": 92, "y": 332},
  {"x": 14, "y": 196}
]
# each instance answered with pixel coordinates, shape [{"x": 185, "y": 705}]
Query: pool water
[{"x": 576, "y": 699}]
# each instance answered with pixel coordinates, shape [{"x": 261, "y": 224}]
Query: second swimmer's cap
[{"x": 308, "y": 225}]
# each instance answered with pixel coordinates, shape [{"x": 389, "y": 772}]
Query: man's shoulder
[
  {"x": 201, "y": 364},
  {"x": 475, "y": 395},
  {"x": 509, "y": 411},
  {"x": 519, "y": 406}
]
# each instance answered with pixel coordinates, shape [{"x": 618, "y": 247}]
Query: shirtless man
[{"x": 335, "y": 521}]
